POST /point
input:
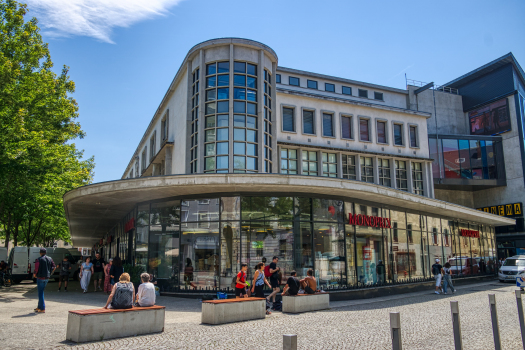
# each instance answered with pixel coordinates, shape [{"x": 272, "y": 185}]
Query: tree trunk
[{"x": 15, "y": 235}]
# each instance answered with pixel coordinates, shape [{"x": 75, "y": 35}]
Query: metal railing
[{"x": 441, "y": 88}]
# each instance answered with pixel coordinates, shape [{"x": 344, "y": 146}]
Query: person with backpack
[
  {"x": 240, "y": 285},
  {"x": 309, "y": 283},
  {"x": 447, "y": 279},
  {"x": 44, "y": 268},
  {"x": 122, "y": 294},
  {"x": 436, "y": 271},
  {"x": 274, "y": 278}
]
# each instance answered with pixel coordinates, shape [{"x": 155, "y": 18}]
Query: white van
[{"x": 18, "y": 262}]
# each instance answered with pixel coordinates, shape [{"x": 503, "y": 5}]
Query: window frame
[
  {"x": 164, "y": 126},
  {"x": 313, "y": 81},
  {"x": 152, "y": 146},
  {"x": 294, "y": 122},
  {"x": 288, "y": 159},
  {"x": 343, "y": 89},
  {"x": 332, "y": 113},
  {"x": 385, "y": 121},
  {"x": 298, "y": 81},
  {"x": 359, "y": 93},
  {"x": 360, "y": 117},
  {"x": 403, "y": 141},
  {"x": 398, "y": 171},
  {"x": 352, "y": 127},
  {"x": 420, "y": 192},
  {"x": 278, "y": 78},
  {"x": 328, "y": 84},
  {"x": 380, "y": 172},
  {"x": 346, "y": 167},
  {"x": 364, "y": 166},
  {"x": 382, "y": 96},
  {"x": 416, "y": 134},
  {"x": 313, "y": 110},
  {"x": 328, "y": 173}
]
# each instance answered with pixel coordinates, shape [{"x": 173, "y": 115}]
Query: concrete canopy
[{"x": 93, "y": 210}]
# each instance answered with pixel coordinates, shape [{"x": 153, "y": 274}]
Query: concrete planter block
[
  {"x": 233, "y": 310},
  {"x": 306, "y": 302},
  {"x": 109, "y": 324}
]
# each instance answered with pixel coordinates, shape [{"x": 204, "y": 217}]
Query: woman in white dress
[{"x": 85, "y": 274}]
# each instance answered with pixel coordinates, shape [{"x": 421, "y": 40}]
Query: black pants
[{"x": 258, "y": 291}]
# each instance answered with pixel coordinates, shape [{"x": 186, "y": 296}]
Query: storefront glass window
[
  {"x": 414, "y": 246},
  {"x": 350, "y": 245},
  {"x": 303, "y": 208},
  {"x": 447, "y": 240},
  {"x": 304, "y": 258},
  {"x": 369, "y": 241},
  {"x": 230, "y": 208},
  {"x": 329, "y": 245},
  {"x": 327, "y": 210},
  {"x": 230, "y": 251},
  {"x": 451, "y": 159},
  {"x": 199, "y": 255},
  {"x": 141, "y": 250},
  {"x": 435, "y": 243}
]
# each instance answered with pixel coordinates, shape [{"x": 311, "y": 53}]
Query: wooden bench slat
[
  {"x": 105, "y": 311},
  {"x": 221, "y": 301}
]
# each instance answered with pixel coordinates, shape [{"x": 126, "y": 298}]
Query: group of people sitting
[{"x": 123, "y": 293}]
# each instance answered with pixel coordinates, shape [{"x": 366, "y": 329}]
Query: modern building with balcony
[{"x": 245, "y": 160}]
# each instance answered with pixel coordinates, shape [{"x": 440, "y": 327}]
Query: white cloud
[{"x": 94, "y": 18}]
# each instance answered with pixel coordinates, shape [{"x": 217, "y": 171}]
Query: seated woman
[
  {"x": 309, "y": 283},
  {"x": 122, "y": 294},
  {"x": 146, "y": 293}
]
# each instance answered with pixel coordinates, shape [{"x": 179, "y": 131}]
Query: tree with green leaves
[{"x": 38, "y": 161}]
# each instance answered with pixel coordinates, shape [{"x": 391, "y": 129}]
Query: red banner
[
  {"x": 130, "y": 225},
  {"x": 366, "y": 220},
  {"x": 469, "y": 233}
]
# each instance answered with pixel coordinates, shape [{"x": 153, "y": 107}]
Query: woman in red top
[{"x": 240, "y": 287}]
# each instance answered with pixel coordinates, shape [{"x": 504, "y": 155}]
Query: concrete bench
[
  {"x": 306, "y": 302},
  {"x": 102, "y": 324},
  {"x": 233, "y": 310}
]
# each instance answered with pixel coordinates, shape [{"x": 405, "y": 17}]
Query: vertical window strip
[
  {"x": 364, "y": 132},
  {"x": 349, "y": 170},
  {"x": 288, "y": 120},
  {"x": 308, "y": 122},
  {"x": 328, "y": 125},
  {"x": 401, "y": 175},
  {"x": 346, "y": 127}
]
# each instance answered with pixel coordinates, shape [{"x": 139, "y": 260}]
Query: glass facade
[
  {"x": 201, "y": 242},
  {"x": 194, "y": 140}
]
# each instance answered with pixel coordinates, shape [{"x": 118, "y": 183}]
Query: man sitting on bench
[
  {"x": 309, "y": 283},
  {"x": 292, "y": 285}
]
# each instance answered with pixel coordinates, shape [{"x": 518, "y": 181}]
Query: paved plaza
[{"x": 358, "y": 324}]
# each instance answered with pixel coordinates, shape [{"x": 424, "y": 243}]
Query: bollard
[
  {"x": 454, "y": 308},
  {"x": 520, "y": 315},
  {"x": 494, "y": 317},
  {"x": 395, "y": 330},
  {"x": 289, "y": 342}
]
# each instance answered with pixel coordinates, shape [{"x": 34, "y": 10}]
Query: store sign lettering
[
  {"x": 470, "y": 233},
  {"x": 130, "y": 225},
  {"x": 366, "y": 220},
  {"x": 510, "y": 210}
]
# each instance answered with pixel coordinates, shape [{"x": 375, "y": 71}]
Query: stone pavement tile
[{"x": 425, "y": 319}]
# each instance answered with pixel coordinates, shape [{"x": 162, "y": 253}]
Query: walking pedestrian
[
  {"x": 436, "y": 271},
  {"x": 240, "y": 286},
  {"x": 98, "y": 271},
  {"x": 107, "y": 277},
  {"x": 64, "y": 267},
  {"x": 85, "y": 274},
  {"x": 44, "y": 268},
  {"x": 274, "y": 278},
  {"x": 116, "y": 270},
  {"x": 259, "y": 280},
  {"x": 380, "y": 270},
  {"x": 447, "y": 279}
]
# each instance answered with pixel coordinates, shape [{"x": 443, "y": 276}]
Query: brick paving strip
[{"x": 355, "y": 324}]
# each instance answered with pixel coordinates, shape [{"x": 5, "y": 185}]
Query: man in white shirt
[{"x": 146, "y": 294}]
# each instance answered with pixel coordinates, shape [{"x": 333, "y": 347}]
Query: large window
[
  {"x": 309, "y": 163},
  {"x": 308, "y": 122},
  {"x": 330, "y": 164},
  {"x": 288, "y": 161},
  {"x": 216, "y": 134},
  {"x": 381, "y": 131},
  {"x": 349, "y": 171},
  {"x": 398, "y": 134},
  {"x": 194, "y": 139},
  {"x": 164, "y": 126},
  {"x": 364, "y": 130},
  {"x": 311, "y": 84},
  {"x": 346, "y": 127},
  {"x": 363, "y": 93},
  {"x": 401, "y": 175},
  {"x": 346, "y": 90},
  {"x": 367, "y": 169},
  {"x": 417, "y": 178},
  {"x": 153, "y": 146},
  {"x": 329, "y": 87},
  {"x": 328, "y": 124},
  {"x": 413, "y": 136},
  {"x": 288, "y": 119},
  {"x": 268, "y": 122},
  {"x": 293, "y": 81},
  {"x": 384, "y": 172}
]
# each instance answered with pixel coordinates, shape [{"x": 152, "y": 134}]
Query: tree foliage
[{"x": 38, "y": 161}]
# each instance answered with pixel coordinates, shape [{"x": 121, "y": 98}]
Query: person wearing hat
[
  {"x": 44, "y": 268},
  {"x": 436, "y": 271}
]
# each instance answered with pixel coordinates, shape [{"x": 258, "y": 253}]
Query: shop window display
[
  {"x": 369, "y": 241},
  {"x": 329, "y": 248}
]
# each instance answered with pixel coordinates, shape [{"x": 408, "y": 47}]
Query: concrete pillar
[
  {"x": 339, "y": 156},
  {"x": 320, "y": 163},
  {"x": 358, "y": 167},
  {"x": 168, "y": 161},
  {"x": 375, "y": 162},
  {"x": 410, "y": 185},
  {"x": 429, "y": 185},
  {"x": 300, "y": 161},
  {"x": 393, "y": 173}
]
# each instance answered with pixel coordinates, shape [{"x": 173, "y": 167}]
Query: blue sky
[{"x": 123, "y": 54}]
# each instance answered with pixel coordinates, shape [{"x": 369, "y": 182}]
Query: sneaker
[
  {"x": 436, "y": 292},
  {"x": 37, "y": 309},
  {"x": 41, "y": 311}
]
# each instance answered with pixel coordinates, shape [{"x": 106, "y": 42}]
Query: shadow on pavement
[{"x": 27, "y": 315}]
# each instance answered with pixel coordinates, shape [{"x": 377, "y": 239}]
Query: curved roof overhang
[{"x": 93, "y": 210}]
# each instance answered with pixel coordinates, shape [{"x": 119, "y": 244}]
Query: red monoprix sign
[
  {"x": 366, "y": 220},
  {"x": 469, "y": 233},
  {"x": 130, "y": 225}
]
